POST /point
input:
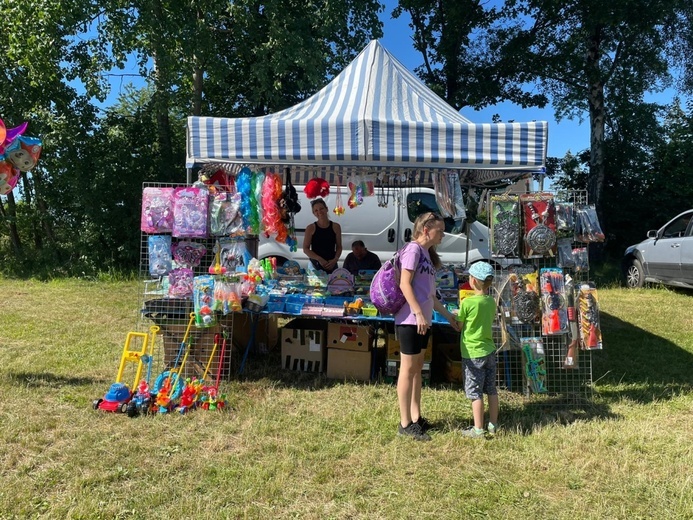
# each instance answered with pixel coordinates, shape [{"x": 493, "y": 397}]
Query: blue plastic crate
[{"x": 276, "y": 306}]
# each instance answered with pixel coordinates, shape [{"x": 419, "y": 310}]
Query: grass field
[{"x": 300, "y": 446}]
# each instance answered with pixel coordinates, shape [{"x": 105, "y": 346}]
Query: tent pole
[{"x": 188, "y": 176}]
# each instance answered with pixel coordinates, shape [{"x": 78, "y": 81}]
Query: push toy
[
  {"x": 141, "y": 401},
  {"x": 119, "y": 394},
  {"x": 168, "y": 385}
]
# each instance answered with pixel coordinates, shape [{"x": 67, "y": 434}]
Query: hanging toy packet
[
  {"x": 190, "y": 206},
  {"x": 157, "y": 210},
  {"x": 203, "y": 300},
  {"x": 160, "y": 259}
]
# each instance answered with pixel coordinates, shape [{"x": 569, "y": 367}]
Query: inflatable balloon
[
  {"x": 8, "y": 177},
  {"x": 10, "y": 135},
  {"x": 24, "y": 153}
]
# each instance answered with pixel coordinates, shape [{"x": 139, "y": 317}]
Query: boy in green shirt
[{"x": 478, "y": 350}]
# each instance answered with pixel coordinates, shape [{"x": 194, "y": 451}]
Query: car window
[
  {"x": 418, "y": 203},
  {"x": 678, "y": 227}
]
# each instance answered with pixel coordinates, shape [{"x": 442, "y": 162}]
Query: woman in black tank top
[{"x": 322, "y": 242}]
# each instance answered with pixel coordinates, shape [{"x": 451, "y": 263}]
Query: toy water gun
[{"x": 571, "y": 358}]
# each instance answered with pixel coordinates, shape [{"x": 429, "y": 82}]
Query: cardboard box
[
  {"x": 267, "y": 331},
  {"x": 449, "y": 362},
  {"x": 348, "y": 364},
  {"x": 392, "y": 371},
  {"x": 199, "y": 343},
  {"x": 346, "y": 336},
  {"x": 393, "y": 348},
  {"x": 303, "y": 345}
]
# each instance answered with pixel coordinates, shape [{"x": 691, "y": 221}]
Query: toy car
[{"x": 115, "y": 400}]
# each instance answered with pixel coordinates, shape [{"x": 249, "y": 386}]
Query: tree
[
  {"x": 461, "y": 62},
  {"x": 40, "y": 65},
  {"x": 596, "y": 57}
]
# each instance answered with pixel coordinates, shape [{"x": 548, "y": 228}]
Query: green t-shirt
[{"x": 477, "y": 314}]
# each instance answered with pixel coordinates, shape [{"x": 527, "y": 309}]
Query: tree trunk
[
  {"x": 197, "y": 90},
  {"x": 595, "y": 100},
  {"x": 9, "y": 215},
  {"x": 161, "y": 102}
]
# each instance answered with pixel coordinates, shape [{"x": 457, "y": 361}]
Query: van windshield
[{"x": 418, "y": 203}]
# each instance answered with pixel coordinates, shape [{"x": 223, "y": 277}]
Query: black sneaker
[
  {"x": 414, "y": 431},
  {"x": 425, "y": 424}
]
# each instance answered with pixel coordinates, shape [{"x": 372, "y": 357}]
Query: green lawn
[{"x": 300, "y": 446}]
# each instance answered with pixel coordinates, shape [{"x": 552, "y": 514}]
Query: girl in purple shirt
[{"x": 419, "y": 261}]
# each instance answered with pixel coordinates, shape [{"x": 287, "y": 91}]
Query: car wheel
[{"x": 635, "y": 277}]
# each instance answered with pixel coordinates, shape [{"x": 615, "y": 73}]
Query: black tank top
[{"x": 324, "y": 241}]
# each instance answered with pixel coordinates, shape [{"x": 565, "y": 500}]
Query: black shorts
[{"x": 410, "y": 341}]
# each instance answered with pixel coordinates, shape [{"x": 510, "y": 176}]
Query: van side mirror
[{"x": 652, "y": 233}]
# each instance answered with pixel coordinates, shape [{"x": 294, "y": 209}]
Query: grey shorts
[{"x": 480, "y": 377}]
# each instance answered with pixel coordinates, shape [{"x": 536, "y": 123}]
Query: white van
[{"x": 385, "y": 223}]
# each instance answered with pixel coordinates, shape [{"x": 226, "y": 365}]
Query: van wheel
[{"x": 635, "y": 277}]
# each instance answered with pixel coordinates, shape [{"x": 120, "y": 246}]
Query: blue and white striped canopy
[{"x": 374, "y": 113}]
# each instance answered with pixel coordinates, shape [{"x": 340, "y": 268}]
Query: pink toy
[
  {"x": 157, "y": 210},
  {"x": 190, "y": 212}
]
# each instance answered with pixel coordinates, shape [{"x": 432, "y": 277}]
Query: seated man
[{"x": 361, "y": 258}]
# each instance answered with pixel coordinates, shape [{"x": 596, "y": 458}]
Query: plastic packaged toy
[
  {"x": 554, "y": 319},
  {"x": 225, "y": 218},
  {"x": 203, "y": 299},
  {"x": 160, "y": 260},
  {"x": 505, "y": 226},
  {"x": 539, "y": 217},
  {"x": 535, "y": 364},
  {"x": 588, "y": 305},
  {"x": 180, "y": 283},
  {"x": 190, "y": 212},
  {"x": 587, "y": 228},
  {"x": 157, "y": 210}
]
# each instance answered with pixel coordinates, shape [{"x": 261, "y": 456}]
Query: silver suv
[{"x": 665, "y": 257}]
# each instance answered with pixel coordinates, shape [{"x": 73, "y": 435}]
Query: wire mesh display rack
[
  {"x": 563, "y": 382},
  {"x": 182, "y": 339}
]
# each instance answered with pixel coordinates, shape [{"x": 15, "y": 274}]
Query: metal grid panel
[
  {"x": 570, "y": 385},
  {"x": 203, "y": 345}
]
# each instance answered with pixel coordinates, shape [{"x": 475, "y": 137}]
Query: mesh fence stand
[
  {"x": 201, "y": 347},
  {"x": 562, "y": 385}
]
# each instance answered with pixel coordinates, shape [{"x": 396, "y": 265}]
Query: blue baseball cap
[{"x": 482, "y": 271}]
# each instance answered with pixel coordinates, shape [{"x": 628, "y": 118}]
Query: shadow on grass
[
  {"x": 638, "y": 365},
  {"x": 47, "y": 379}
]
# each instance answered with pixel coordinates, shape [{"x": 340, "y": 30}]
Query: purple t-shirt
[{"x": 416, "y": 258}]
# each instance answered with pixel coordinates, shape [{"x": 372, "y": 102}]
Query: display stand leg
[{"x": 254, "y": 319}]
